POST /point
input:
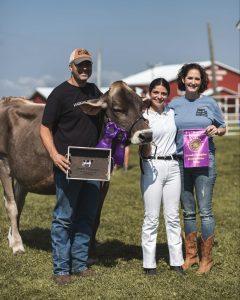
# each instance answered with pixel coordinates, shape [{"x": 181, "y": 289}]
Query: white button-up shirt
[{"x": 164, "y": 131}]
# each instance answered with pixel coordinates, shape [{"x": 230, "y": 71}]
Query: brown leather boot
[
  {"x": 191, "y": 250},
  {"x": 62, "y": 279},
  {"x": 206, "y": 262}
]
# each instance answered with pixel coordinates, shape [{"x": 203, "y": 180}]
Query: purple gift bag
[{"x": 195, "y": 148}]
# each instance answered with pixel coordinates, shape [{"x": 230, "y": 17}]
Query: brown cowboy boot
[
  {"x": 191, "y": 250},
  {"x": 206, "y": 262},
  {"x": 62, "y": 279}
]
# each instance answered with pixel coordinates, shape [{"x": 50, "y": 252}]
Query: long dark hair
[
  {"x": 182, "y": 73},
  {"x": 159, "y": 81}
]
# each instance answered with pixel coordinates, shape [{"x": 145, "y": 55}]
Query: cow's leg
[
  {"x": 103, "y": 190},
  {"x": 20, "y": 196},
  {"x": 14, "y": 238}
]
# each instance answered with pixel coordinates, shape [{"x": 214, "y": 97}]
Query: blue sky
[{"x": 37, "y": 37}]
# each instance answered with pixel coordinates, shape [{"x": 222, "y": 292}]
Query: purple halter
[{"x": 112, "y": 131}]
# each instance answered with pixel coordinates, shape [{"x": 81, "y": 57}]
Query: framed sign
[{"x": 89, "y": 163}]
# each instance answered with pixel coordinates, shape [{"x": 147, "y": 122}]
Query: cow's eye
[{"x": 117, "y": 110}]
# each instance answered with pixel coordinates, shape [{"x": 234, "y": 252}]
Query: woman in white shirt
[{"x": 160, "y": 180}]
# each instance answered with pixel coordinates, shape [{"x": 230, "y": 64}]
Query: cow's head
[{"x": 124, "y": 107}]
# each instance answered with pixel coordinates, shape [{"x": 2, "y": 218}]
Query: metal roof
[
  {"x": 44, "y": 91},
  {"x": 169, "y": 72}
]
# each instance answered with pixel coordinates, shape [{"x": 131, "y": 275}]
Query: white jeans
[{"x": 161, "y": 181}]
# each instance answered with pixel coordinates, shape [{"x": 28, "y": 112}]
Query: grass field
[{"x": 119, "y": 271}]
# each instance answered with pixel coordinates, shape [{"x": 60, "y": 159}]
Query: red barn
[{"x": 41, "y": 94}]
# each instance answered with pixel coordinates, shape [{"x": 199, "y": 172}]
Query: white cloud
[{"x": 24, "y": 86}]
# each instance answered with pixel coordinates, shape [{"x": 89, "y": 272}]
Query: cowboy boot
[
  {"x": 206, "y": 262},
  {"x": 191, "y": 250}
]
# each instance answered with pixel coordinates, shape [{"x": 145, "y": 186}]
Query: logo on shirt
[
  {"x": 201, "y": 112},
  {"x": 77, "y": 104}
]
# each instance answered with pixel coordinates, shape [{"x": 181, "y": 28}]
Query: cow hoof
[
  {"x": 18, "y": 251},
  {"x": 15, "y": 243}
]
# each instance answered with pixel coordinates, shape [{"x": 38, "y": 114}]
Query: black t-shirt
[{"x": 69, "y": 124}]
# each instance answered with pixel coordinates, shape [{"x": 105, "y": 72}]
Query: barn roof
[
  {"x": 169, "y": 72},
  {"x": 46, "y": 91}
]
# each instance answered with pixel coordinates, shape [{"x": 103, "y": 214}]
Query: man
[{"x": 64, "y": 124}]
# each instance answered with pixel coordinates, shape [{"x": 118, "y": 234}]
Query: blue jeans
[
  {"x": 73, "y": 219},
  {"x": 199, "y": 183}
]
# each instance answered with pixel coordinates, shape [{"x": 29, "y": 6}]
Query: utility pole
[
  {"x": 99, "y": 68},
  {"x": 210, "y": 43}
]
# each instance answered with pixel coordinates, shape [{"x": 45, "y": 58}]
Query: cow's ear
[
  {"x": 146, "y": 103},
  {"x": 92, "y": 107}
]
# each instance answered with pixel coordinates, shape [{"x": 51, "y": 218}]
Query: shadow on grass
[
  {"x": 37, "y": 238},
  {"x": 110, "y": 251},
  {"x": 107, "y": 252}
]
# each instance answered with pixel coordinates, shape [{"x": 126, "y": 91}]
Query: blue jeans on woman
[
  {"x": 73, "y": 219},
  {"x": 199, "y": 183}
]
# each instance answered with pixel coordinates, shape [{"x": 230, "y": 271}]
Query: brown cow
[{"x": 24, "y": 159}]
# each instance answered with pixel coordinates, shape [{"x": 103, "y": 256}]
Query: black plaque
[{"x": 89, "y": 163}]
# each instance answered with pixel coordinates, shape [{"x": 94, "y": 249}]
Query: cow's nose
[{"x": 142, "y": 137}]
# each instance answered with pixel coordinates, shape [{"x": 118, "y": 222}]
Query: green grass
[{"x": 119, "y": 271}]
